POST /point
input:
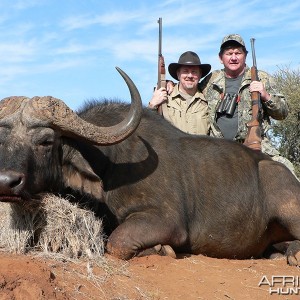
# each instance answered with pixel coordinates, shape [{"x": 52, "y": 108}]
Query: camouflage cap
[{"x": 234, "y": 38}]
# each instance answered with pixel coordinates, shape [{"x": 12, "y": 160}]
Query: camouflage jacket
[{"x": 213, "y": 87}]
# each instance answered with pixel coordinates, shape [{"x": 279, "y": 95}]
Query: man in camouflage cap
[{"x": 234, "y": 84}]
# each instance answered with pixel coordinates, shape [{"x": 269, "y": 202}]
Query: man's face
[
  {"x": 189, "y": 76},
  {"x": 234, "y": 60}
]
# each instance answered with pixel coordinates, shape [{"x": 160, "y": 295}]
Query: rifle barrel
[
  {"x": 161, "y": 82},
  {"x": 160, "y": 36},
  {"x": 253, "y": 52}
]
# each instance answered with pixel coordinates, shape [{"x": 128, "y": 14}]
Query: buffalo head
[{"x": 31, "y": 131}]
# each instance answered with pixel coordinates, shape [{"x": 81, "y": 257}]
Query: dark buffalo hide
[{"x": 160, "y": 189}]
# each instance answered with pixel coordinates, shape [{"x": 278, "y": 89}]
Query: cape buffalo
[{"x": 165, "y": 189}]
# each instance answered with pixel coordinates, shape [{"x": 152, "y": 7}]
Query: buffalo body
[{"x": 162, "y": 189}]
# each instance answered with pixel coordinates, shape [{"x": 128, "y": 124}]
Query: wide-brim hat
[{"x": 188, "y": 58}]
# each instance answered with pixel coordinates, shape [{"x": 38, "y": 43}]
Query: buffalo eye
[
  {"x": 46, "y": 143},
  {"x": 43, "y": 138}
]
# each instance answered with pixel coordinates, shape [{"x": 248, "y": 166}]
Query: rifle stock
[
  {"x": 161, "y": 80},
  {"x": 253, "y": 138}
]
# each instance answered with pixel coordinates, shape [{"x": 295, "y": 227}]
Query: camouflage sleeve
[
  {"x": 277, "y": 106},
  {"x": 207, "y": 83},
  {"x": 203, "y": 84}
]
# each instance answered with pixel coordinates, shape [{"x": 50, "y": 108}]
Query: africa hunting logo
[{"x": 281, "y": 284}]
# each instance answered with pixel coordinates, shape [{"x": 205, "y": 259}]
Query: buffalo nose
[{"x": 11, "y": 182}]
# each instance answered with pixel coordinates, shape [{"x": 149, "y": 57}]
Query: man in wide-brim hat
[
  {"x": 186, "y": 107},
  {"x": 188, "y": 58}
]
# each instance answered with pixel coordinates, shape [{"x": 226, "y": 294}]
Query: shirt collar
[{"x": 175, "y": 93}]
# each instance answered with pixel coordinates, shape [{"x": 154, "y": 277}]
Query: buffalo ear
[{"x": 78, "y": 174}]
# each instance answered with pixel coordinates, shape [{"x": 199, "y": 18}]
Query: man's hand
[
  {"x": 257, "y": 86},
  {"x": 170, "y": 87},
  {"x": 159, "y": 96}
]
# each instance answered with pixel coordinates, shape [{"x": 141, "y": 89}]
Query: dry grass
[
  {"x": 71, "y": 237},
  {"x": 51, "y": 226}
]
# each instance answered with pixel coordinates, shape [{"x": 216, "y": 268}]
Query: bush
[{"x": 287, "y": 132}]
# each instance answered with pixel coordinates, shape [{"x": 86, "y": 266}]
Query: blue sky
[{"x": 69, "y": 48}]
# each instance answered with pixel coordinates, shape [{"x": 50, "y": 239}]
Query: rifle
[
  {"x": 253, "y": 139},
  {"x": 161, "y": 80}
]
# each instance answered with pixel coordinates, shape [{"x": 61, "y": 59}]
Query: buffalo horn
[{"x": 61, "y": 116}]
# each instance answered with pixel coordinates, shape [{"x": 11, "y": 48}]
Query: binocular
[{"x": 228, "y": 104}]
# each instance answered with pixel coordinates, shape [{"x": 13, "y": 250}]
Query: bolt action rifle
[
  {"x": 253, "y": 138},
  {"x": 161, "y": 80}
]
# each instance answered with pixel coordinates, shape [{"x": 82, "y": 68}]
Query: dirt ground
[{"x": 152, "y": 278}]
